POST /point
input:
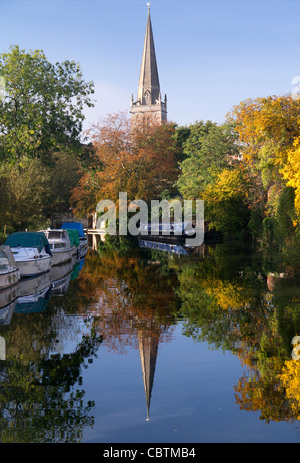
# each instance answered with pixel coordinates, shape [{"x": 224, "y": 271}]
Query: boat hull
[
  {"x": 34, "y": 266},
  {"x": 9, "y": 278},
  {"x": 60, "y": 257},
  {"x": 83, "y": 247}
]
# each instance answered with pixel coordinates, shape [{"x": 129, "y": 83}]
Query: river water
[{"x": 139, "y": 345}]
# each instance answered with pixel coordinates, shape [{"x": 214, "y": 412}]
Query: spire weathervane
[{"x": 148, "y": 5}]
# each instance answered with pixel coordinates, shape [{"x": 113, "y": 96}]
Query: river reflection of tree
[
  {"x": 134, "y": 305},
  {"x": 230, "y": 300},
  {"x": 235, "y": 304},
  {"x": 129, "y": 296},
  {"x": 41, "y": 398}
]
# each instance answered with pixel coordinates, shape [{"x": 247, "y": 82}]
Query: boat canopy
[
  {"x": 74, "y": 226},
  {"x": 74, "y": 237},
  {"x": 28, "y": 240}
]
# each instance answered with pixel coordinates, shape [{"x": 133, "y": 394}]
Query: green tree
[
  {"x": 63, "y": 178},
  {"x": 208, "y": 149},
  {"x": 25, "y": 189},
  {"x": 180, "y": 137},
  {"x": 43, "y": 106}
]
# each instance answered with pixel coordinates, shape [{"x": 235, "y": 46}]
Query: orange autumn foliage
[{"x": 139, "y": 160}]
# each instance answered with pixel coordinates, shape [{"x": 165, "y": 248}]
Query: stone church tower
[{"x": 149, "y": 104}]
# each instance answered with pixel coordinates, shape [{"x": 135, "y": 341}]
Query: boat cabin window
[
  {"x": 52, "y": 235},
  {"x": 3, "y": 260}
]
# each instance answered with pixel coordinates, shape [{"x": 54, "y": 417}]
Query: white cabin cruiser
[
  {"x": 9, "y": 273},
  {"x": 31, "y": 251},
  {"x": 60, "y": 245}
]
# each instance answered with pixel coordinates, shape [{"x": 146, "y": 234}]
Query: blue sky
[{"x": 211, "y": 54}]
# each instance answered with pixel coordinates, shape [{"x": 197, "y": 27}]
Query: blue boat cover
[
  {"x": 28, "y": 240},
  {"x": 74, "y": 226}
]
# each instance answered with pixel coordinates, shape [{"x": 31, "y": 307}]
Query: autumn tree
[
  {"x": 139, "y": 160},
  {"x": 291, "y": 171},
  {"x": 227, "y": 201},
  {"x": 268, "y": 129}
]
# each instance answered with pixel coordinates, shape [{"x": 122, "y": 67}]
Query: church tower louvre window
[{"x": 149, "y": 104}]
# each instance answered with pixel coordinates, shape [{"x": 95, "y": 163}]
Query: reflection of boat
[
  {"x": 34, "y": 285},
  {"x": 7, "y": 312},
  {"x": 8, "y": 299},
  {"x": 60, "y": 245},
  {"x": 75, "y": 272},
  {"x": 83, "y": 246},
  {"x": 160, "y": 246},
  {"x": 60, "y": 277},
  {"x": 81, "y": 262},
  {"x": 8, "y": 295},
  {"x": 34, "y": 294},
  {"x": 9, "y": 273},
  {"x": 59, "y": 287},
  {"x": 31, "y": 252}
]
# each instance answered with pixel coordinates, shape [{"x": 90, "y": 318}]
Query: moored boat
[
  {"x": 9, "y": 273},
  {"x": 171, "y": 232},
  {"x": 60, "y": 245},
  {"x": 31, "y": 251},
  {"x": 83, "y": 242},
  {"x": 74, "y": 240}
]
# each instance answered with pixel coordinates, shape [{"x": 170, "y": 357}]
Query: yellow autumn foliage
[
  {"x": 291, "y": 171},
  {"x": 229, "y": 184},
  {"x": 290, "y": 378},
  {"x": 227, "y": 295}
]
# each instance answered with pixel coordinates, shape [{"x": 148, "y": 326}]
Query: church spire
[
  {"x": 149, "y": 101},
  {"x": 148, "y": 89}
]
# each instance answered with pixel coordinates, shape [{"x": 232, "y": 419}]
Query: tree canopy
[
  {"x": 207, "y": 150},
  {"x": 139, "y": 160},
  {"x": 268, "y": 130},
  {"x": 41, "y": 115},
  {"x": 42, "y": 110}
]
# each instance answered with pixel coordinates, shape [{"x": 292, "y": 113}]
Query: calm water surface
[{"x": 147, "y": 346}]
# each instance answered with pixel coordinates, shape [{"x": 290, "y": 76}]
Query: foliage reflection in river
[{"x": 134, "y": 299}]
